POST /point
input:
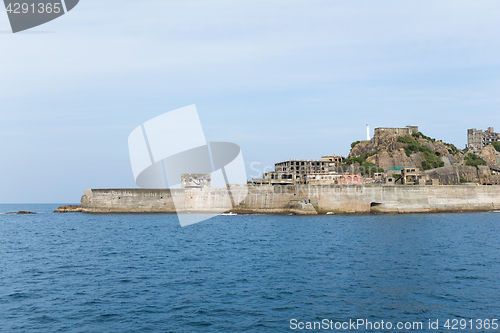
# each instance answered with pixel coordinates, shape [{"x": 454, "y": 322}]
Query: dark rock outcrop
[
  {"x": 21, "y": 212},
  {"x": 69, "y": 209}
]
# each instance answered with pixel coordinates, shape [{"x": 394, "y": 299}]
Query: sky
[{"x": 282, "y": 79}]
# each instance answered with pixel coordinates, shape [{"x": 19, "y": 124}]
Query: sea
[{"x": 248, "y": 273}]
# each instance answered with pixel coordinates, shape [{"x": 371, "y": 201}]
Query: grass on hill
[
  {"x": 366, "y": 168},
  {"x": 473, "y": 160},
  {"x": 431, "y": 159},
  {"x": 496, "y": 145}
]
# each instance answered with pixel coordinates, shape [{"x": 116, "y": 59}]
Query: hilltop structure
[
  {"x": 397, "y": 150},
  {"x": 382, "y": 131},
  {"x": 477, "y": 139}
]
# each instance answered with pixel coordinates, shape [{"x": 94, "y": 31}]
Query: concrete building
[
  {"x": 302, "y": 167},
  {"x": 295, "y": 172},
  {"x": 478, "y": 139},
  {"x": 333, "y": 158},
  {"x": 278, "y": 178},
  {"x": 408, "y": 130},
  {"x": 350, "y": 179},
  {"x": 409, "y": 176},
  {"x": 195, "y": 180},
  {"x": 323, "y": 179}
]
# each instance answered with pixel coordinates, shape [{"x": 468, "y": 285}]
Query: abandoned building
[
  {"x": 382, "y": 131},
  {"x": 409, "y": 176},
  {"x": 333, "y": 158},
  {"x": 408, "y": 130},
  {"x": 195, "y": 180},
  {"x": 296, "y": 172},
  {"x": 478, "y": 139},
  {"x": 302, "y": 167}
]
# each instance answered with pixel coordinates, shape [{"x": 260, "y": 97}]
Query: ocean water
[{"x": 255, "y": 273}]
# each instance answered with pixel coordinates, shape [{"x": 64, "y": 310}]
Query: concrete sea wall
[{"x": 290, "y": 199}]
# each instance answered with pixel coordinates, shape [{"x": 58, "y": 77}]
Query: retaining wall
[{"x": 286, "y": 199}]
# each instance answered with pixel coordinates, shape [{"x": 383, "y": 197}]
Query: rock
[
  {"x": 451, "y": 175},
  {"x": 69, "y": 209},
  {"x": 299, "y": 207},
  {"x": 490, "y": 155},
  {"x": 21, "y": 212},
  {"x": 389, "y": 152}
]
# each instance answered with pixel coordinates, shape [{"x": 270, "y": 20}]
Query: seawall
[{"x": 359, "y": 199}]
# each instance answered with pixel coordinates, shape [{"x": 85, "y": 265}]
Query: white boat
[
  {"x": 330, "y": 213},
  {"x": 229, "y": 214}
]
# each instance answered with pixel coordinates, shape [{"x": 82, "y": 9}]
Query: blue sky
[{"x": 283, "y": 79}]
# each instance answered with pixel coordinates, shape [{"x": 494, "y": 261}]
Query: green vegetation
[
  {"x": 360, "y": 159},
  {"x": 496, "y": 145},
  {"x": 463, "y": 180},
  {"x": 406, "y": 139},
  {"x": 473, "y": 160},
  {"x": 396, "y": 176},
  {"x": 419, "y": 134},
  {"x": 354, "y": 143},
  {"x": 368, "y": 169},
  {"x": 452, "y": 149},
  {"x": 432, "y": 160}
]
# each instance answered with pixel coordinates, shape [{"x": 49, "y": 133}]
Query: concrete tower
[{"x": 368, "y": 132}]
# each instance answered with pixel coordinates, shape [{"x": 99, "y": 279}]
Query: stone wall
[{"x": 285, "y": 199}]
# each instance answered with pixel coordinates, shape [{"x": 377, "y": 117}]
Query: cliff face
[
  {"x": 391, "y": 150},
  {"x": 492, "y": 157}
]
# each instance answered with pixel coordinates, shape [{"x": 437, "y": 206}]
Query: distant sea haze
[{"x": 246, "y": 273}]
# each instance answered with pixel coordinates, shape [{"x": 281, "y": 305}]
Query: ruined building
[
  {"x": 293, "y": 172},
  {"x": 477, "y": 140},
  {"x": 380, "y": 132},
  {"x": 408, "y": 130},
  {"x": 195, "y": 180}
]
